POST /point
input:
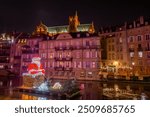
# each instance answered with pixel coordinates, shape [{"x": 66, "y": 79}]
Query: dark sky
[{"x": 24, "y": 15}]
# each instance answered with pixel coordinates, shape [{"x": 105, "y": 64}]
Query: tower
[
  {"x": 91, "y": 28},
  {"x": 41, "y": 29},
  {"x": 73, "y": 23}
]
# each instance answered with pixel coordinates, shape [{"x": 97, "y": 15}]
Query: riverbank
[{"x": 108, "y": 80}]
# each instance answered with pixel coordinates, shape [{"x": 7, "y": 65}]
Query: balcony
[
  {"x": 59, "y": 48},
  {"x": 68, "y": 68},
  {"x": 147, "y": 49},
  {"x": 60, "y": 68},
  {"x": 68, "y": 59},
  {"x": 77, "y": 47},
  {"x": 30, "y": 51},
  {"x": 17, "y": 57},
  {"x": 63, "y": 59},
  {"x": 94, "y": 46},
  {"x": 140, "y": 49},
  {"x": 4, "y": 54},
  {"x": 4, "y": 61},
  {"x": 64, "y": 48},
  {"x": 5, "y": 47},
  {"x": 131, "y": 50},
  {"x": 91, "y": 47},
  {"x": 26, "y": 60}
]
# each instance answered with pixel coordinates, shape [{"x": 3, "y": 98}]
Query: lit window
[
  {"x": 87, "y": 54},
  {"x": 93, "y": 64},
  {"x": 131, "y": 54},
  {"x": 140, "y": 54},
  {"x": 120, "y": 40},
  {"x": 51, "y": 55}
]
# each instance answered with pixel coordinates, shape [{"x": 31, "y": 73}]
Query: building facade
[
  {"x": 71, "y": 55},
  {"x": 125, "y": 49},
  {"x": 6, "y": 41}
]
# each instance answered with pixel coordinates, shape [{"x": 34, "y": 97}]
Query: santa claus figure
[{"x": 35, "y": 68}]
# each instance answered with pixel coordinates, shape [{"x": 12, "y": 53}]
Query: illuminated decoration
[
  {"x": 35, "y": 68},
  {"x": 74, "y": 26},
  {"x": 57, "y": 86},
  {"x": 43, "y": 87},
  {"x": 36, "y": 74},
  {"x": 73, "y": 23}
]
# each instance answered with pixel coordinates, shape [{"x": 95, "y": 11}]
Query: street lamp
[
  {"x": 116, "y": 65},
  {"x": 133, "y": 63}
]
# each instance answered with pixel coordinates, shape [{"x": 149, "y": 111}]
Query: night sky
[{"x": 24, "y": 15}]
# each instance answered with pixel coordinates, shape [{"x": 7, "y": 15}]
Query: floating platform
[{"x": 52, "y": 92}]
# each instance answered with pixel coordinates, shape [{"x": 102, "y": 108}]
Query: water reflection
[{"x": 93, "y": 91}]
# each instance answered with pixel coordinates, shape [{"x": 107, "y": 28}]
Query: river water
[{"x": 93, "y": 90}]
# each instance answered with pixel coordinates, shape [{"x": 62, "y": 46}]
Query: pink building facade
[{"x": 75, "y": 55}]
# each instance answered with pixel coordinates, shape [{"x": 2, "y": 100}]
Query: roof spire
[{"x": 91, "y": 28}]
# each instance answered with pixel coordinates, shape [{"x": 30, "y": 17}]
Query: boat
[{"x": 111, "y": 93}]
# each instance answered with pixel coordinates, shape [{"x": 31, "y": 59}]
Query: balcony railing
[
  {"x": 63, "y": 68},
  {"x": 140, "y": 49},
  {"x": 63, "y": 59},
  {"x": 64, "y": 48},
  {"x": 5, "y": 54},
  {"x": 68, "y": 68},
  {"x": 5, "y": 47},
  {"x": 147, "y": 49},
  {"x": 26, "y": 60},
  {"x": 30, "y": 51},
  {"x": 77, "y": 47},
  {"x": 17, "y": 57},
  {"x": 4, "y": 61},
  {"x": 131, "y": 50},
  {"x": 60, "y": 68}
]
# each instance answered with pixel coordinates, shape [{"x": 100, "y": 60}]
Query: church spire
[{"x": 91, "y": 28}]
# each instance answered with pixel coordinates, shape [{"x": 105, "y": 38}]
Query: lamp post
[
  {"x": 116, "y": 65},
  {"x": 133, "y": 64}
]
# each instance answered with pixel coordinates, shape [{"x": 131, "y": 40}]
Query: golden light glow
[{"x": 115, "y": 63}]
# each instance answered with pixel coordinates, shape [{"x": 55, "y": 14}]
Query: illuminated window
[
  {"x": 61, "y": 64},
  {"x": 131, "y": 54},
  {"x": 140, "y": 54},
  {"x": 68, "y": 54},
  {"x": 88, "y": 54},
  {"x": 120, "y": 40},
  {"x": 51, "y": 55},
  {"x": 79, "y": 65},
  {"x": 93, "y": 64}
]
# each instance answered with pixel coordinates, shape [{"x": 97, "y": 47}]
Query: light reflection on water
[{"x": 93, "y": 91}]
